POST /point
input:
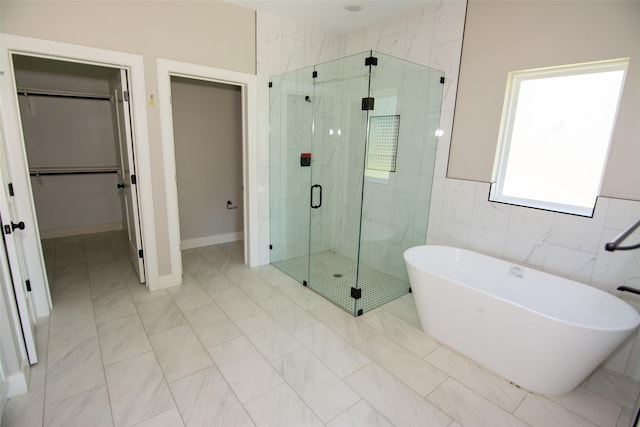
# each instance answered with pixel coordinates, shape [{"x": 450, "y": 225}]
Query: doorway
[
  {"x": 207, "y": 128},
  {"x": 76, "y": 129}
]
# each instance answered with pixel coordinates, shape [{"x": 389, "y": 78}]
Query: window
[{"x": 554, "y": 136}]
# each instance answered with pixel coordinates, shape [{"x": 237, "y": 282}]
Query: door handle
[
  {"x": 122, "y": 185},
  {"x": 19, "y": 226},
  {"x": 320, "y": 201}
]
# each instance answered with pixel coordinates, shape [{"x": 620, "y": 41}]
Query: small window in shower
[{"x": 383, "y": 146}]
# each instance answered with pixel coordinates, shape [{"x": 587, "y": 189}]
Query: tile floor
[{"x": 235, "y": 346}]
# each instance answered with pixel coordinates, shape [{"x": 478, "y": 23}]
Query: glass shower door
[
  {"x": 338, "y": 148},
  {"x": 290, "y": 127}
]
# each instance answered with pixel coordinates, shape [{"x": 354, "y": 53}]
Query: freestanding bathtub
[{"x": 540, "y": 331}]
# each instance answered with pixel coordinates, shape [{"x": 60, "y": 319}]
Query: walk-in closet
[{"x": 74, "y": 120}]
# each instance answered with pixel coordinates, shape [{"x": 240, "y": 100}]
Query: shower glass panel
[
  {"x": 352, "y": 149},
  {"x": 290, "y": 127},
  {"x": 339, "y": 135},
  {"x": 397, "y": 187}
]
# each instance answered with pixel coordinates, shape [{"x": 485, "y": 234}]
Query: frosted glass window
[{"x": 556, "y": 128}]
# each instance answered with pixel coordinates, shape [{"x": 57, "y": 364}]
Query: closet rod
[
  {"x": 70, "y": 171},
  {"x": 62, "y": 94}
]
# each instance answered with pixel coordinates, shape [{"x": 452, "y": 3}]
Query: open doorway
[
  {"x": 208, "y": 138},
  {"x": 77, "y": 133}
]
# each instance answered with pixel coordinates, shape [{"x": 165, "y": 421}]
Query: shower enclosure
[{"x": 352, "y": 150}]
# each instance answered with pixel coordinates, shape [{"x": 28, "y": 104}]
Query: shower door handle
[{"x": 320, "y": 202}]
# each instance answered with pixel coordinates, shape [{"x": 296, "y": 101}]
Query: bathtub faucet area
[{"x": 542, "y": 332}]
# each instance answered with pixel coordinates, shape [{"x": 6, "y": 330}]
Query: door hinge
[
  {"x": 140, "y": 254},
  {"x": 28, "y": 284},
  {"x": 11, "y": 189},
  {"x": 270, "y": 84},
  {"x": 133, "y": 179},
  {"x": 125, "y": 95},
  {"x": 270, "y": 247},
  {"x": 441, "y": 80},
  {"x": 7, "y": 229},
  {"x": 314, "y": 74},
  {"x": 372, "y": 60},
  {"x": 356, "y": 293},
  {"x": 367, "y": 104}
]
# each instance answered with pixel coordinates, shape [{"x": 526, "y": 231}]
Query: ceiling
[{"x": 331, "y": 15}]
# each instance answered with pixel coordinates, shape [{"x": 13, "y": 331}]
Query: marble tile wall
[{"x": 460, "y": 214}]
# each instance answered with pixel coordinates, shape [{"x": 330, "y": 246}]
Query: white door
[
  {"x": 11, "y": 230},
  {"x": 127, "y": 172}
]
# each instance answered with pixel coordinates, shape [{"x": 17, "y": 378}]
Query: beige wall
[
  {"x": 214, "y": 33},
  {"x": 207, "y": 128},
  {"x": 503, "y": 36}
]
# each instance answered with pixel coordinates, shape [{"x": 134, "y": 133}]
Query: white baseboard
[
  {"x": 17, "y": 383},
  {"x": 211, "y": 240},
  {"x": 55, "y": 233}
]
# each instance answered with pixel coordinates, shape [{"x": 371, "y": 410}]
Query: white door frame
[
  {"x": 15, "y": 149},
  {"x": 247, "y": 83}
]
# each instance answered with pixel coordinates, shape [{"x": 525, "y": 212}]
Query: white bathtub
[{"x": 542, "y": 332}]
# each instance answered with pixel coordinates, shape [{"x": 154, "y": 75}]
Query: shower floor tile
[{"x": 333, "y": 275}]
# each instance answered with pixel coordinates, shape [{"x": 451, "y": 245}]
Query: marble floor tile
[
  {"x": 205, "y": 399},
  {"x": 189, "y": 295},
  {"x": 27, "y": 410},
  {"x": 336, "y": 353},
  {"x": 211, "y": 280},
  {"x": 139, "y": 292},
  {"x": 271, "y": 339},
  {"x": 289, "y": 315},
  {"x": 322, "y": 391},
  {"x": 211, "y": 253},
  {"x": 348, "y": 327},
  {"x": 403, "y": 333},
  {"x": 394, "y": 400},
  {"x": 256, "y": 288},
  {"x": 235, "y": 303},
  {"x": 416, "y": 373},
  {"x": 405, "y": 309},
  {"x": 360, "y": 415},
  {"x": 477, "y": 378},
  {"x": 590, "y": 405},
  {"x": 90, "y": 408},
  {"x": 304, "y": 297},
  {"x": 179, "y": 352},
  {"x": 211, "y": 325},
  {"x": 271, "y": 274},
  {"x": 122, "y": 338},
  {"x": 71, "y": 327},
  {"x": 234, "y": 270},
  {"x": 112, "y": 305},
  {"x": 537, "y": 411},
  {"x": 137, "y": 389},
  {"x": 73, "y": 369},
  {"x": 193, "y": 261},
  {"x": 159, "y": 314},
  {"x": 104, "y": 285},
  {"x": 168, "y": 418},
  {"x": 469, "y": 408},
  {"x": 245, "y": 369},
  {"x": 614, "y": 387},
  {"x": 281, "y": 407}
]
